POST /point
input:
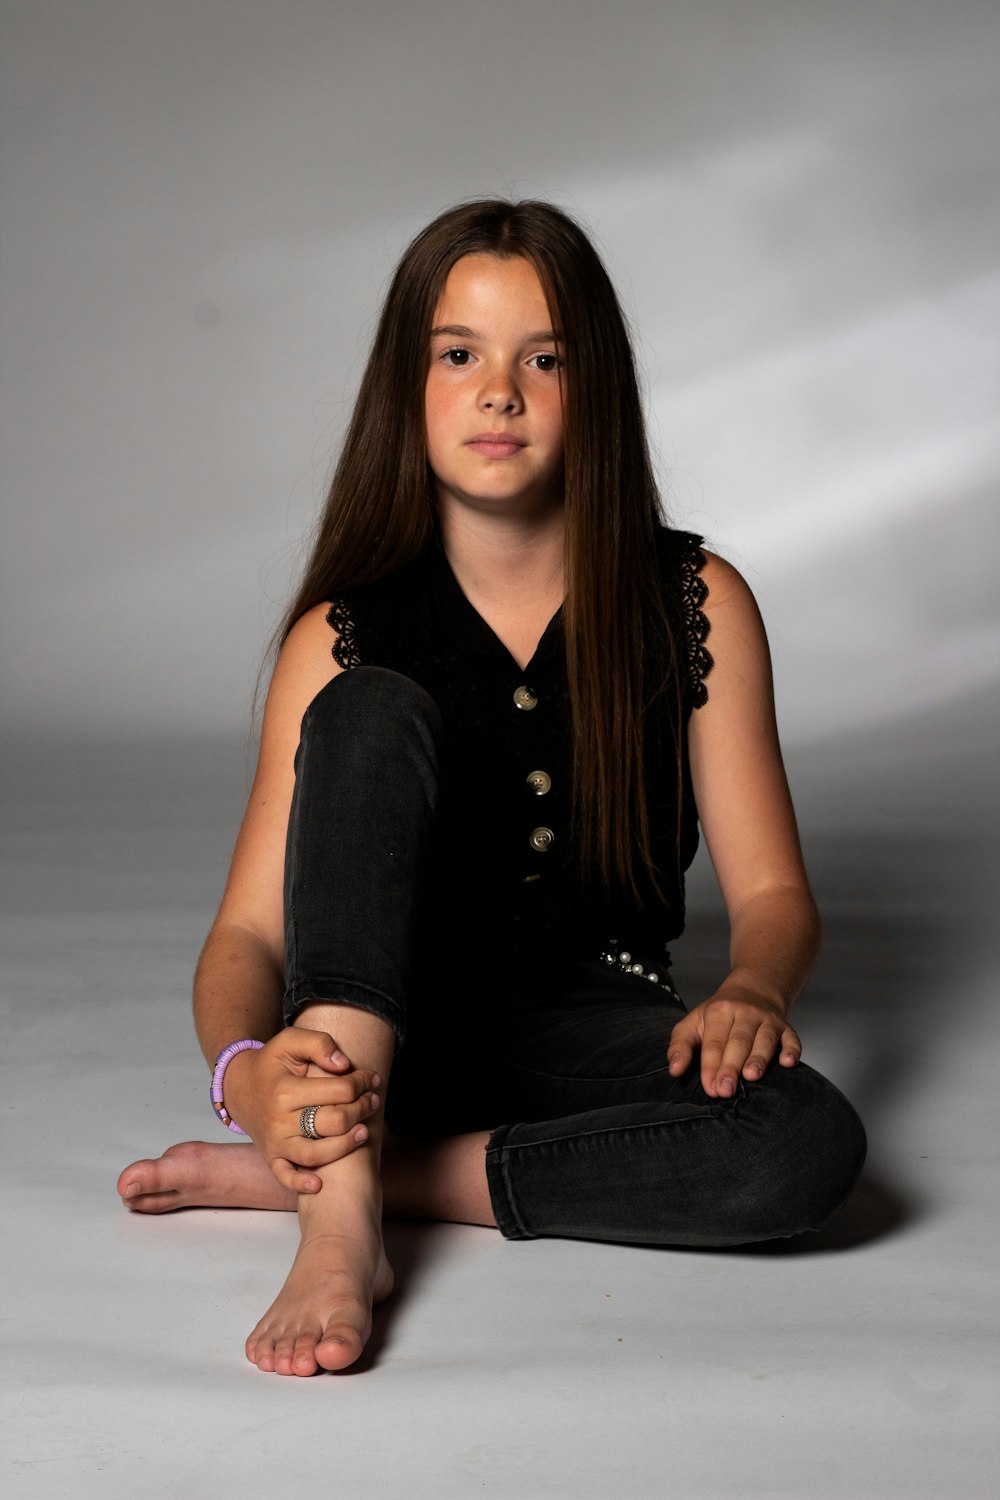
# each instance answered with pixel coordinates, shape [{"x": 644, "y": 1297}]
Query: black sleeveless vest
[{"x": 505, "y": 849}]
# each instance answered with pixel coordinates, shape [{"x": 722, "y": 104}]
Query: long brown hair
[{"x": 380, "y": 509}]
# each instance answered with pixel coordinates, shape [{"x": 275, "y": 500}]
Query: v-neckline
[{"x": 471, "y": 631}]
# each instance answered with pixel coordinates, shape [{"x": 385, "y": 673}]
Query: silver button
[
  {"x": 541, "y": 839},
  {"x": 525, "y": 698},
  {"x": 540, "y": 782}
]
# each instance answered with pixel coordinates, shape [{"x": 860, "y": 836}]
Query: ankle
[{"x": 352, "y": 1190}]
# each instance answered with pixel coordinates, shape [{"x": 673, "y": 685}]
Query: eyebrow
[{"x": 459, "y": 331}]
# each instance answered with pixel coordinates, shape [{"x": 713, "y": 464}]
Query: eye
[
  {"x": 547, "y": 363},
  {"x": 457, "y": 358}
]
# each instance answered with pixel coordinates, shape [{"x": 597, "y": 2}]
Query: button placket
[{"x": 532, "y": 739}]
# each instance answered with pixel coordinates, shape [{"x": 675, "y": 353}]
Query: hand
[
  {"x": 267, "y": 1089},
  {"x": 738, "y": 1033}
]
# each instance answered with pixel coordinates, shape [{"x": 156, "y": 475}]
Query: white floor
[{"x": 859, "y": 1364}]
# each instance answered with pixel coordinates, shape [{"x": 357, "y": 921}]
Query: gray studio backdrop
[{"x": 203, "y": 199}]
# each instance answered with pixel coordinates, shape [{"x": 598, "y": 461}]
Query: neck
[
  {"x": 508, "y": 558},
  {"x": 511, "y": 571}
]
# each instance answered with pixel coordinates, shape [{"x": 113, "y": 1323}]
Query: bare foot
[
  {"x": 195, "y": 1174},
  {"x": 421, "y": 1179},
  {"x": 322, "y": 1317}
]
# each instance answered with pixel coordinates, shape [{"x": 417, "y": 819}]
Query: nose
[{"x": 500, "y": 392}]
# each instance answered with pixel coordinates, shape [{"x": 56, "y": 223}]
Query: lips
[{"x": 495, "y": 445}]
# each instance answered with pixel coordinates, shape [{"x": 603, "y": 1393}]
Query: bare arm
[
  {"x": 749, "y": 826},
  {"x": 237, "y": 989},
  {"x": 239, "y": 980}
]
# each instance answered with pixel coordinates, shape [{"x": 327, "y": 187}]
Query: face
[{"x": 493, "y": 399}]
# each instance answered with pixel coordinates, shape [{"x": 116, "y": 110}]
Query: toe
[
  {"x": 149, "y": 1187},
  {"x": 340, "y": 1345},
  {"x": 132, "y": 1180},
  {"x": 304, "y": 1355},
  {"x": 337, "y": 1353},
  {"x": 152, "y": 1203},
  {"x": 260, "y": 1349},
  {"x": 283, "y": 1351}
]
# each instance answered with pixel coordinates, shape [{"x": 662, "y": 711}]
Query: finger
[
  {"x": 744, "y": 1041},
  {"x": 290, "y": 1176},
  {"x": 765, "y": 1045},
  {"x": 351, "y": 1086},
  {"x": 682, "y": 1046},
  {"x": 713, "y": 1047},
  {"x": 306, "y": 1158},
  {"x": 680, "y": 1056},
  {"x": 757, "y": 1063},
  {"x": 295, "y": 1095},
  {"x": 726, "y": 1046},
  {"x": 326, "y": 1088},
  {"x": 791, "y": 1048},
  {"x": 329, "y": 1123},
  {"x": 299, "y": 1046},
  {"x": 679, "y": 1060},
  {"x": 310, "y": 1156},
  {"x": 769, "y": 1041},
  {"x": 340, "y": 1119}
]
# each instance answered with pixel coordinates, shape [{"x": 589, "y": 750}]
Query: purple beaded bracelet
[{"x": 222, "y": 1062}]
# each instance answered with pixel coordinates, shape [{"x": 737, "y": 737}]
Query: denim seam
[
  {"x": 606, "y": 1078},
  {"x": 704, "y": 1113},
  {"x": 509, "y": 1221}
]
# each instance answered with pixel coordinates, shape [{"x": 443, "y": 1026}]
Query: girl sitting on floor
[{"x": 507, "y": 695}]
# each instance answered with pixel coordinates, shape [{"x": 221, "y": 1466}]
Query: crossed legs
[
  {"x": 608, "y": 1145},
  {"x": 321, "y": 1318}
]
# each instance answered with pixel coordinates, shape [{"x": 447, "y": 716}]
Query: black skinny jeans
[{"x": 601, "y": 1142}]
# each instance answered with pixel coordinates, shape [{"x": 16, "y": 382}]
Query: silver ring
[{"x": 307, "y": 1123}]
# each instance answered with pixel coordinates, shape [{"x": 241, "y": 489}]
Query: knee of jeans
[
  {"x": 814, "y": 1150},
  {"x": 374, "y": 701}
]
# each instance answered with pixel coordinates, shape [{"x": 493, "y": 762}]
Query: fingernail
[
  {"x": 339, "y": 1058},
  {"x": 361, "y": 1134},
  {"x": 375, "y": 1101},
  {"x": 131, "y": 1190},
  {"x": 376, "y": 1080}
]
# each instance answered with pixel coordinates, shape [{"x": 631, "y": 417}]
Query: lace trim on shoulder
[
  {"x": 694, "y": 592},
  {"x": 345, "y": 648}
]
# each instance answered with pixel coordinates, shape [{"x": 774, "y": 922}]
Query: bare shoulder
[
  {"x": 304, "y": 667},
  {"x": 737, "y": 640},
  {"x": 739, "y": 780},
  {"x": 727, "y": 588}
]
